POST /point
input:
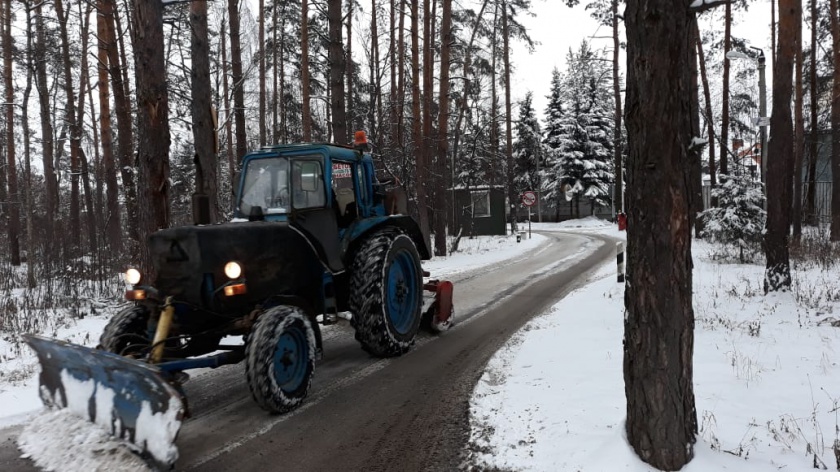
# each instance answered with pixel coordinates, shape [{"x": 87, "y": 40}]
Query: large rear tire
[
  {"x": 280, "y": 358},
  {"x": 127, "y": 333},
  {"x": 386, "y": 291}
]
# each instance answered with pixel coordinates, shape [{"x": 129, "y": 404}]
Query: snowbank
[{"x": 766, "y": 379}]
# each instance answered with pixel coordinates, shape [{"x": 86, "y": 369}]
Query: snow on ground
[
  {"x": 481, "y": 251},
  {"x": 59, "y": 440},
  {"x": 19, "y": 367},
  {"x": 50, "y": 437},
  {"x": 766, "y": 379}
]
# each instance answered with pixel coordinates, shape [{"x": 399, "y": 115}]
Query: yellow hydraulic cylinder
[{"x": 162, "y": 331}]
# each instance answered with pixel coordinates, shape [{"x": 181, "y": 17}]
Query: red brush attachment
[{"x": 439, "y": 315}]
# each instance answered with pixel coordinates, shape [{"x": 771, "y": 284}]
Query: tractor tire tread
[
  {"x": 259, "y": 358},
  {"x": 131, "y": 321},
  {"x": 367, "y": 296}
]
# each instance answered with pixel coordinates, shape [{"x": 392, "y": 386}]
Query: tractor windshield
[
  {"x": 266, "y": 186},
  {"x": 276, "y": 185}
]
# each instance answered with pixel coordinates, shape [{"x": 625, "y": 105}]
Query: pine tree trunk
[
  {"x": 97, "y": 170},
  {"x": 206, "y": 174},
  {"x": 375, "y": 84},
  {"x": 228, "y": 114},
  {"x": 261, "y": 55},
  {"x": 420, "y": 164},
  {"x": 274, "y": 76},
  {"x": 695, "y": 166},
  {"x": 13, "y": 197},
  {"x": 508, "y": 115},
  {"x": 238, "y": 80},
  {"x": 617, "y": 145},
  {"x": 709, "y": 116},
  {"x": 661, "y": 421},
  {"x": 125, "y": 132},
  {"x": 811, "y": 195},
  {"x": 304, "y": 71},
  {"x": 494, "y": 102},
  {"x": 394, "y": 59},
  {"x": 835, "y": 123},
  {"x": 113, "y": 220},
  {"x": 348, "y": 63},
  {"x": 75, "y": 132},
  {"x": 152, "y": 124},
  {"x": 284, "y": 133},
  {"x": 780, "y": 155},
  {"x": 47, "y": 150},
  {"x": 401, "y": 94},
  {"x": 443, "y": 133},
  {"x": 84, "y": 167},
  {"x": 798, "y": 132},
  {"x": 31, "y": 282},
  {"x": 773, "y": 26},
  {"x": 724, "y": 114},
  {"x": 337, "y": 68}
]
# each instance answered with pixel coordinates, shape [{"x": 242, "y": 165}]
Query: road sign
[
  {"x": 763, "y": 121},
  {"x": 529, "y": 198}
]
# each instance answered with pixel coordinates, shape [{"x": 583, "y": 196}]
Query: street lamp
[{"x": 763, "y": 119}]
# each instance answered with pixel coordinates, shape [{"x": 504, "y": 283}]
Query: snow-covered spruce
[
  {"x": 280, "y": 358},
  {"x": 582, "y": 145},
  {"x": 373, "y": 315},
  {"x": 737, "y": 222},
  {"x": 127, "y": 332}
]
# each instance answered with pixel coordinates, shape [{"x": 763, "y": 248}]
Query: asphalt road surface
[{"x": 409, "y": 413}]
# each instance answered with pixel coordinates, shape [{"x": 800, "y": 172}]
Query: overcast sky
[{"x": 557, "y": 28}]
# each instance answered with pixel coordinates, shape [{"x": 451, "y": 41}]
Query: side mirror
[{"x": 234, "y": 183}]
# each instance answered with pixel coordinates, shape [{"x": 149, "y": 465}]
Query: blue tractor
[{"x": 315, "y": 238}]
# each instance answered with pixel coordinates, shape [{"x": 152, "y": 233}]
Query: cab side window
[
  {"x": 308, "y": 185},
  {"x": 345, "y": 195}
]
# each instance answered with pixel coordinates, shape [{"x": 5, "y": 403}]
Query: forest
[
  {"x": 116, "y": 113},
  {"x": 428, "y": 81}
]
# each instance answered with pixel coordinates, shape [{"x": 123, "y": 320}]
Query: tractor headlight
[
  {"x": 132, "y": 276},
  {"x": 233, "y": 270}
]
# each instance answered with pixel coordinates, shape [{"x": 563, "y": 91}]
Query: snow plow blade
[{"x": 130, "y": 399}]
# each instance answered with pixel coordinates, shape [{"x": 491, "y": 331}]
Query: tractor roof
[{"x": 334, "y": 150}]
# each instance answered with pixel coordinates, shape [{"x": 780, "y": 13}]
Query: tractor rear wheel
[
  {"x": 280, "y": 358},
  {"x": 386, "y": 292},
  {"x": 127, "y": 333}
]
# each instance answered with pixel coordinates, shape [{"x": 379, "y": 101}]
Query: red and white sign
[
  {"x": 529, "y": 198},
  {"x": 341, "y": 170}
]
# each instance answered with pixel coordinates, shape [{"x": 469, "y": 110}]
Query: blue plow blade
[{"x": 130, "y": 399}]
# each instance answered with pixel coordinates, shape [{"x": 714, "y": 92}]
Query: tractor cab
[{"x": 279, "y": 183}]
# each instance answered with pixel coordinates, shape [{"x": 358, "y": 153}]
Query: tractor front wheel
[
  {"x": 386, "y": 292},
  {"x": 280, "y": 358},
  {"x": 127, "y": 333}
]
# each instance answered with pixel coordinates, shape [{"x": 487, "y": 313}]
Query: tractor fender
[{"x": 361, "y": 228}]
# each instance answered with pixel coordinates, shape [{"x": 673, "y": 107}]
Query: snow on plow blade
[{"x": 129, "y": 398}]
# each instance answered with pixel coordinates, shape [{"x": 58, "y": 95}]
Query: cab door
[{"x": 311, "y": 213}]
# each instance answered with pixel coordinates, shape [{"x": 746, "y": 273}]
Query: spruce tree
[
  {"x": 526, "y": 148},
  {"x": 553, "y": 193},
  {"x": 585, "y": 145}
]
